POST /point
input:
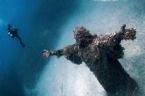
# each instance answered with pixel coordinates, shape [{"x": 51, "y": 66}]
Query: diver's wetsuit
[{"x": 13, "y": 32}]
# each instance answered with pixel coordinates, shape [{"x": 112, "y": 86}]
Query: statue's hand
[
  {"x": 130, "y": 34},
  {"x": 46, "y": 53},
  {"x": 123, "y": 27}
]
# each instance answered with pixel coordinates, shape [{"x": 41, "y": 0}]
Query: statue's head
[{"x": 82, "y": 35}]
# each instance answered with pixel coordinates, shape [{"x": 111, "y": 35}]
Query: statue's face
[{"x": 79, "y": 34}]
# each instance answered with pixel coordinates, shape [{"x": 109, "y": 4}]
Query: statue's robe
[{"x": 101, "y": 56}]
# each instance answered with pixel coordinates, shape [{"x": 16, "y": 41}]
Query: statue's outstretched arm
[
  {"x": 115, "y": 38},
  {"x": 47, "y": 53},
  {"x": 112, "y": 41},
  {"x": 69, "y": 52},
  {"x": 127, "y": 34}
]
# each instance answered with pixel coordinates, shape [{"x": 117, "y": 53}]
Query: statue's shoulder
[
  {"x": 71, "y": 48},
  {"x": 98, "y": 40},
  {"x": 108, "y": 35},
  {"x": 103, "y": 38}
]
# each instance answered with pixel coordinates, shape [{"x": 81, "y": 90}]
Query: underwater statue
[{"x": 101, "y": 54}]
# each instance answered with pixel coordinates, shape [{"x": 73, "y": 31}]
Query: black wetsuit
[{"x": 13, "y": 32}]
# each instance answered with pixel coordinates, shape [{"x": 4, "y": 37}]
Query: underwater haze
[{"x": 49, "y": 24}]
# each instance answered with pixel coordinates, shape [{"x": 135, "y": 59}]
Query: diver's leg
[{"x": 20, "y": 40}]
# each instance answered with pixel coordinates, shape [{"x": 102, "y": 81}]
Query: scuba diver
[{"x": 13, "y": 32}]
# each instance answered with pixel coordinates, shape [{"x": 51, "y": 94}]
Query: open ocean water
[{"x": 49, "y": 24}]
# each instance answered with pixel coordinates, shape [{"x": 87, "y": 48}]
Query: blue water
[
  {"x": 49, "y": 24},
  {"x": 99, "y": 17}
]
